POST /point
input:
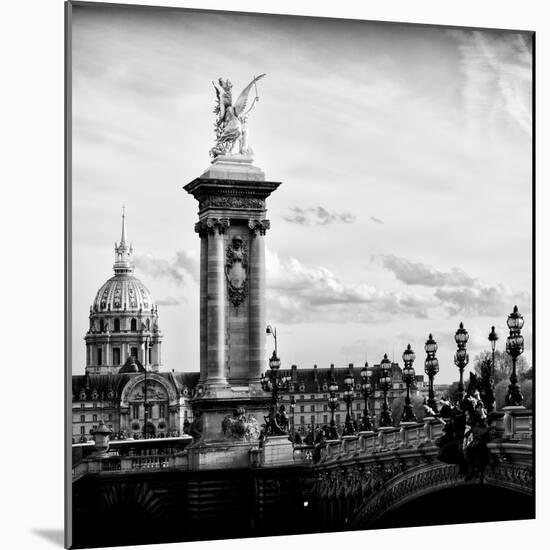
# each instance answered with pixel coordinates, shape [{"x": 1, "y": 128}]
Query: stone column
[
  {"x": 203, "y": 301},
  {"x": 216, "y": 302},
  {"x": 257, "y": 317}
]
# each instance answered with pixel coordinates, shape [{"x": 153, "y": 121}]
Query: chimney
[
  {"x": 315, "y": 373},
  {"x": 294, "y": 374}
]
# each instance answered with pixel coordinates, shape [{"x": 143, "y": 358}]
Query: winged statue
[{"x": 231, "y": 123}]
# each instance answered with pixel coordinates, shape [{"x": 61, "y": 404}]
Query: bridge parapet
[{"x": 514, "y": 424}]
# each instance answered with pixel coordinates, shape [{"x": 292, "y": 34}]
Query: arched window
[
  {"x": 134, "y": 353},
  {"x": 147, "y": 324},
  {"x": 101, "y": 325},
  {"x": 133, "y": 325},
  {"x": 117, "y": 325}
]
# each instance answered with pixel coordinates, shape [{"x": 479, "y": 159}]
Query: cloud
[
  {"x": 416, "y": 273},
  {"x": 375, "y": 219},
  {"x": 182, "y": 267},
  {"x": 298, "y": 293},
  {"x": 317, "y": 216},
  {"x": 482, "y": 299},
  {"x": 169, "y": 301},
  {"x": 498, "y": 75}
]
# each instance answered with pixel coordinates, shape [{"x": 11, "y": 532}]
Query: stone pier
[{"x": 232, "y": 229}]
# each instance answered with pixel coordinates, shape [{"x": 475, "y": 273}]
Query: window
[
  {"x": 117, "y": 325},
  {"x": 135, "y": 410},
  {"x": 147, "y": 324},
  {"x": 116, "y": 356},
  {"x": 325, "y": 407},
  {"x": 82, "y": 404},
  {"x": 94, "y": 418},
  {"x": 82, "y": 430},
  {"x": 133, "y": 325},
  {"x": 302, "y": 420},
  {"x": 312, "y": 419},
  {"x": 337, "y": 418},
  {"x": 110, "y": 417},
  {"x": 99, "y": 356},
  {"x": 82, "y": 419},
  {"x": 312, "y": 397},
  {"x": 312, "y": 408},
  {"x": 162, "y": 411},
  {"x": 102, "y": 326},
  {"x": 302, "y": 397},
  {"x": 301, "y": 408},
  {"x": 358, "y": 406},
  {"x": 149, "y": 355},
  {"x": 133, "y": 353},
  {"x": 325, "y": 419}
]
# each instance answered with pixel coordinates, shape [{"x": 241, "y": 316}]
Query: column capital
[
  {"x": 258, "y": 226},
  {"x": 211, "y": 226}
]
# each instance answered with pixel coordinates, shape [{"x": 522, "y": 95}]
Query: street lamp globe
[
  {"x": 430, "y": 346},
  {"x": 461, "y": 335},
  {"x": 493, "y": 337},
  {"x": 408, "y": 356},
  {"x": 515, "y": 320},
  {"x": 365, "y": 372},
  {"x": 274, "y": 362}
]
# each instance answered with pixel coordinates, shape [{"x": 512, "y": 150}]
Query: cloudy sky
[{"x": 404, "y": 154}]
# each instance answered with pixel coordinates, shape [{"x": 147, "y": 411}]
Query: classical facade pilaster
[
  {"x": 213, "y": 300},
  {"x": 257, "y": 315}
]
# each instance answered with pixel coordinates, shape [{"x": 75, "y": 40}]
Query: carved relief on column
[
  {"x": 236, "y": 270},
  {"x": 258, "y": 226}
]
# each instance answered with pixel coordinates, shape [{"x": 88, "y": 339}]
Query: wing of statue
[
  {"x": 240, "y": 104},
  {"x": 219, "y": 91}
]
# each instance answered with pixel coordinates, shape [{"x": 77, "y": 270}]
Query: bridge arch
[{"x": 437, "y": 493}]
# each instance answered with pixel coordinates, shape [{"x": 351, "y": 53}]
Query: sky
[{"x": 404, "y": 154}]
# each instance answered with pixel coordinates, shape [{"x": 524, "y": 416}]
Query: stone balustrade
[{"x": 511, "y": 424}]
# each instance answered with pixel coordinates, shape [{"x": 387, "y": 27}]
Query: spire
[
  {"x": 123, "y": 252},
  {"x": 123, "y": 236}
]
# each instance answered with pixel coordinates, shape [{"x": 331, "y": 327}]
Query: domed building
[
  {"x": 123, "y": 321},
  {"x": 123, "y": 385}
]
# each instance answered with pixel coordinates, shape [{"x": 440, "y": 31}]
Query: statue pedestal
[
  {"x": 234, "y": 167},
  {"x": 278, "y": 451},
  {"x": 226, "y": 429}
]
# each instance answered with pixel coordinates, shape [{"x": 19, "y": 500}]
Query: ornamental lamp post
[
  {"x": 273, "y": 331},
  {"x": 408, "y": 377},
  {"x": 349, "y": 428},
  {"x": 514, "y": 348},
  {"x": 386, "y": 419},
  {"x": 332, "y": 403},
  {"x": 366, "y": 390},
  {"x": 461, "y": 357},
  {"x": 493, "y": 337},
  {"x": 292, "y": 407},
  {"x": 275, "y": 383},
  {"x": 431, "y": 368}
]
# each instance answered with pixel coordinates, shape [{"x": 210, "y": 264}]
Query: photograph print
[{"x": 300, "y": 275}]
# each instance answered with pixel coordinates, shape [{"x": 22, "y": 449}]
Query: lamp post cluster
[
  {"x": 514, "y": 348},
  {"x": 275, "y": 383}
]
